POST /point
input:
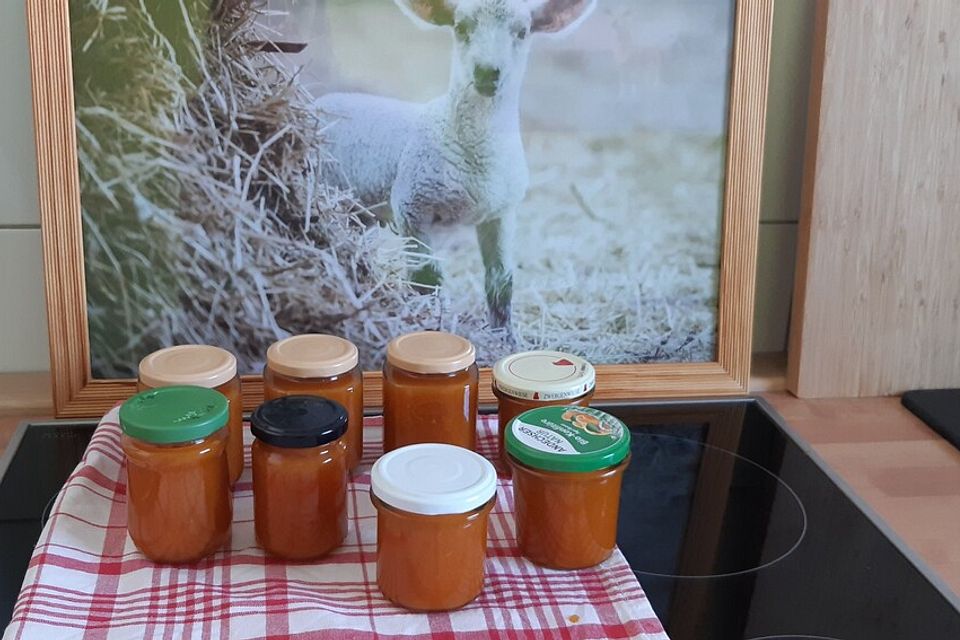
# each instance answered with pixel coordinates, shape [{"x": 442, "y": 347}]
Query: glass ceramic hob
[{"x": 734, "y": 529}]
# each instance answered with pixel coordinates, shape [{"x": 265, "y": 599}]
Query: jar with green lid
[
  {"x": 568, "y": 464},
  {"x": 179, "y": 503}
]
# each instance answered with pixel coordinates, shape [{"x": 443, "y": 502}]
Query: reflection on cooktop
[
  {"x": 735, "y": 532},
  {"x": 740, "y": 491}
]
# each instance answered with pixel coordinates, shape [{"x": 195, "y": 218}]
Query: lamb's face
[
  {"x": 493, "y": 36},
  {"x": 492, "y": 43}
]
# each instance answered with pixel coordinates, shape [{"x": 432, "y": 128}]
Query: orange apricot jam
[
  {"x": 433, "y": 503},
  {"x": 430, "y": 388},
  {"x": 534, "y": 379},
  {"x": 179, "y": 504},
  {"x": 320, "y": 365},
  {"x": 568, "y": 464},
  {"x": 201, "y": 366},
  {"x": 299, "y": 476}
]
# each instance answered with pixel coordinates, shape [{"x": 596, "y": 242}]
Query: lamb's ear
[
  {"x": 437, "y": 13},
  {"x": 560, "y": 16}
]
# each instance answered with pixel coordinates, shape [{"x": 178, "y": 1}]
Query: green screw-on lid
[
  {"x": 567, "y": 439},
  {"x": 174, "y": 414}
]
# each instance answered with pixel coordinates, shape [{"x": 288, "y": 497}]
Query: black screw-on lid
[{"x": 298, "y": 422}]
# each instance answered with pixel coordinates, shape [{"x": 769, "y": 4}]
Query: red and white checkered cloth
[{"x": 86, "y": 578}]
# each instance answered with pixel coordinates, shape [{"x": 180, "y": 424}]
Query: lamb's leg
[
  {"x": 494, "y": 238},
  {"x": 427, "y": 277}
]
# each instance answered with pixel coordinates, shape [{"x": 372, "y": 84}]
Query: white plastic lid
[
  {"x": 433, "y": 479},
  {"x": 544, "y": 375}
]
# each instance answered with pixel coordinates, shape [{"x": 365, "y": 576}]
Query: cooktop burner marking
[{"x": 770, "y": 563}]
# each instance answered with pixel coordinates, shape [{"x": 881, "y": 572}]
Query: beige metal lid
[
  {"x": 544, "y": 375},
  {"x": 431, "y": 352},
  {"x": 312, "y": 355},
  {"x": 189, "y": 364}
]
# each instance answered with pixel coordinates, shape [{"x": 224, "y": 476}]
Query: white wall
[
  {"x": 23, "y": 340},
  {"x": 782, "y": 171},
  {"x": 23, "y": 336}
]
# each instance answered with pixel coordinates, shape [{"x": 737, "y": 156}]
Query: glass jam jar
[
  {"x": 568, "y": 464},
  {"x": 430, "y": 387},
  {"x": 179, "y": 504},
  {"x": 433, "y": 502},
  {"x": 535, "y": 379},
  {"x": 299, "y": 476},
  {"x": 201, "y": 366},
  {"x": 320, "y": 365}
]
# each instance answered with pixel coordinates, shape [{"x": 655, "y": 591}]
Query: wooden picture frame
[{"x": 78, "y": 394}]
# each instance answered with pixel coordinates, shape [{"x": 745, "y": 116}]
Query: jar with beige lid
[
  {"x": 320, "y": 365},
  {"x": 201, "y": 366},
  {"x": 430, "y": 388}
]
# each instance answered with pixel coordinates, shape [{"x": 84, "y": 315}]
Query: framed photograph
[{"x": 578, "y": 175}]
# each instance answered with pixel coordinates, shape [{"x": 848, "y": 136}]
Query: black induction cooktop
[{"x": 735, "y": 530}]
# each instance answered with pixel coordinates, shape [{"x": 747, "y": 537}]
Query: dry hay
[{"x": 206, "y": 220}]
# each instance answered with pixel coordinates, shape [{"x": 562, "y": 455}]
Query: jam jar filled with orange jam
[
  {"x": 534, "y": 379},
  {"x": 433, "y": 502},
  {"x": 320, "y": 365},
  {"x": 179, "y": 504},
  {"x": 430, "y": 386},
  {"x": 568, "y": 464},
  {"x": 299, "y": 476},
  {"x": 201, "y": 366}
]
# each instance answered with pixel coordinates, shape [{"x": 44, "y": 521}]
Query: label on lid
[
  {"x": 567, "y": 439},
  {"x": 545, "y": 376}
]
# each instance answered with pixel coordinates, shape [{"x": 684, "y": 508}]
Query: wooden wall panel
[{"x": 877, "y": 302}]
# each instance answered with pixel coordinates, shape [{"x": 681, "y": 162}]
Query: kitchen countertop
[{"x": 901, "y": 468}]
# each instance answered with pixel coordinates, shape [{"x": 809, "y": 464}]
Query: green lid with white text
[{"x": 567, "y": 439}]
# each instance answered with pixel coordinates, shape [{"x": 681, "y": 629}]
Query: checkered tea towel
[{"x": 86, "y": 578}]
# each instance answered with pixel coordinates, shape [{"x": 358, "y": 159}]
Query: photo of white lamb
[
  {"x": 530, "y": 174},
  {"x": 457, "y": 159}
]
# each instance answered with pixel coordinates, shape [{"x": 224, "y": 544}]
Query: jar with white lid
[
  {"x": 201, "y": 366},
  {"x": 534, "y": 379},
  {"x": 433, "y": 502}
]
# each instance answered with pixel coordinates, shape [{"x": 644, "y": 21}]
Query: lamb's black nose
[{"x": 486, "y": 80}]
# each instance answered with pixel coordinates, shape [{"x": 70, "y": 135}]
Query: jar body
[
  {"x": 420, "y": 407},
  {"x": 300, "y": 498},
  {"x": 567, "y": 520},
  {"x": 346, "y": 388},
  {"x": 431, "y": 562},
  {"x": 231, "y": 389},
  {"x": 179, "y": 504},
  {"x": 509, "y": 408}
]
